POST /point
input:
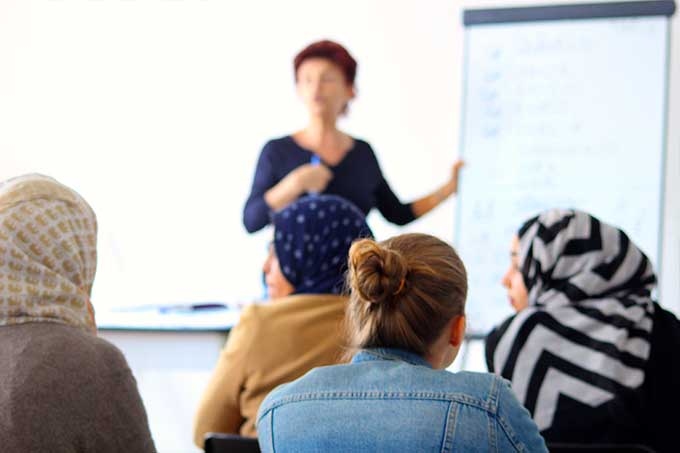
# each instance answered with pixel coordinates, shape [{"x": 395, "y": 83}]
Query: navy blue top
[{"x": 357, "y": 178}]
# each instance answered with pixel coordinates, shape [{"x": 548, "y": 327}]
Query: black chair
[
  {"x": 556, "y": 447},
  {"x": 230, "y": 443}
]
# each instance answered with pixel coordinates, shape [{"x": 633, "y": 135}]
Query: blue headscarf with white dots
[{"x": 312, "y": 237}]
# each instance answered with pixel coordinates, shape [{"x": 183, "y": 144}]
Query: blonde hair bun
[{"x": 376, "y": 273}]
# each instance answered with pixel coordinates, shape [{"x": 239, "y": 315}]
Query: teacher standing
[{"x": 322, "y": 158}]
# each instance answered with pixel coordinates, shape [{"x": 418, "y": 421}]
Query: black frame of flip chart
[{"x": 472, "y": 17}]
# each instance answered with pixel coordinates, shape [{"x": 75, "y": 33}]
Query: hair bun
[{"x": 376, "y": 273}]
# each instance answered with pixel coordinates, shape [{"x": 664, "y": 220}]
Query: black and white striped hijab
[{"x": 586, "y": 332}]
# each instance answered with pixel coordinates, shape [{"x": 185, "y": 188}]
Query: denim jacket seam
[
  {"x": 494, "y": 394},
  {"x": 505, "y": 426},
  {"x": 381, "y": 395},
  {"x": 454, "y": 401},
  {"x": 450, "y": 427},
  {"x": 377, "y": 394},
  {"x": 492, "y": 415},
  {"x": 493, "y": 432},
  {"x": 510, "y": 434}
]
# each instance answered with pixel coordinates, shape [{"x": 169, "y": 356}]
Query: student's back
[
  {"x": 584, "y": 352},
  {"x": 406, "y": 320},
  {"x": 392, "y": 400},
  {"x": 299, "y": 328},
  {"x": 64, "y": 390}
]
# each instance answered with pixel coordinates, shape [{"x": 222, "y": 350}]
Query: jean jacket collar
[{"x": 365, "y": 355}]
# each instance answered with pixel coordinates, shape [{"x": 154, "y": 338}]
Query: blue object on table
[
  {"x": 170, "y": 308},
  {"x": 196, "y": 316},
  {"x": 192, "y": 307}
]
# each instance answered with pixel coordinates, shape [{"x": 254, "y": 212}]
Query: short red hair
[{"x": 332, "y": 51}]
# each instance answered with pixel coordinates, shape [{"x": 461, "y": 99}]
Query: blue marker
[
  {"x": 200, "y": 306},
  {"x": 315, "y": 160}
]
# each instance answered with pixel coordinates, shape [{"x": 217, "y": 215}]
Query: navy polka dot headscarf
[{"x": 312, "y": 237}]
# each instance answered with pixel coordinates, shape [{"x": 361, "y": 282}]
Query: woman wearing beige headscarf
[{"x": 62, "y": 389}]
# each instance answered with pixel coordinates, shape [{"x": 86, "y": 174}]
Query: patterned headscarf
[
  {"x": 586, "y": 332},
  {"x": 47, "y": 253},
  {"x": 568, "y": 256},
  {"x": 312, "y": 237}
]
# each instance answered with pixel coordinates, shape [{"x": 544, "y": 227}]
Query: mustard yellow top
[{"x": 271, "y": 345}]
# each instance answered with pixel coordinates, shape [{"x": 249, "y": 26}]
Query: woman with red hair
[{"x": 322, "y": 158}]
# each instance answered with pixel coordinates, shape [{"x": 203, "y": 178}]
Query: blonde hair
[{"x": 403, "y": 291}]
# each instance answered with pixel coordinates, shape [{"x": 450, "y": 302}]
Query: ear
[
  {"x": 457, "y": 331},
  {"x": 352, "y": 92}
]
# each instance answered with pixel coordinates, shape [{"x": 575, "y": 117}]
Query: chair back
[
  {"x": 230, "y": 443},
  {"x": 557, "y": 447}
]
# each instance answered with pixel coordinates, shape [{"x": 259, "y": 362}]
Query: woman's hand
[
  {"x": 429, "y": 202},
  {"x": 312, "y": 178},
  {"x": 455, "y": 170}
]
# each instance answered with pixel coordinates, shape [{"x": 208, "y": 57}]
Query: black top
[
  {"x": 648, "y": 423},
  {"x": 357, "y": 178}
]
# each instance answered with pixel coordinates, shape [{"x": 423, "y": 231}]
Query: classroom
[{"x": 156, "y": 112}]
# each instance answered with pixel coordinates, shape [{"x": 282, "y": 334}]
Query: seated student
[
  {"x": 407, "y": 319},
  {"x": 578, "y": 349},
  {"x": 61, "y": 387},
  {"x": 302, "y": 326}
]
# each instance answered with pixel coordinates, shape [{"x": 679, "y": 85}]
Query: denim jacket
[{"x": 392, "y": 400}]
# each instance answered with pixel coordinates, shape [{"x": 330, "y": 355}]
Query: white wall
[{"x": 156, "y": 112}]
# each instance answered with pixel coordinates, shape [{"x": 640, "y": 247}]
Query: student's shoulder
[
  {"x": 70, "y": 349},
  {"x": 493, "y": 392},
  {"x": 290, "y": 311},
  {"x": 525, "y": 320},
  {"x": 109, "y": 356},
  {"x": 251, "y": 314},
  {"x": 259, "y": 313},
  {"x": 317, "y": 383},
  {"x": 484, "y": 390}
]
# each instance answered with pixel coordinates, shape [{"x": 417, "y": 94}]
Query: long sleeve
[
  {"x": 391, "y": 207},
  {"x": 256, "y": 211},
  {"x": 220, "y": 407}
]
